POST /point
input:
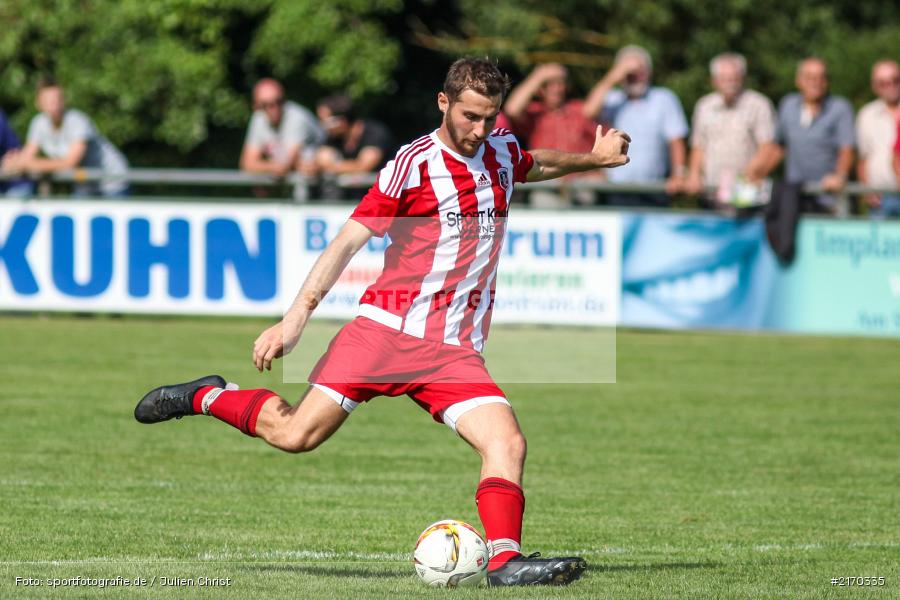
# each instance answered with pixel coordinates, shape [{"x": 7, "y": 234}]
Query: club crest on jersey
[
  {"x": 504, "y": 177},
  {"x": 483, "y": 181}
]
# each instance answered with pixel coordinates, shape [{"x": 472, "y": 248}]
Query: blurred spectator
[
  {"x": 731, "y": 132},
  {"x": 540, "y": 113},
  {"x": 876, "y": 135},
  {"x": 815, "y": 131},
  {"x": 281, "y": 133},
  {"x": 897, "y": 156},
  {"x": 68, "y": 139},
  {"x": 9, "y": 152},
  {"x": 352, "y": 145},
  {"x": 654, "y": 119}
]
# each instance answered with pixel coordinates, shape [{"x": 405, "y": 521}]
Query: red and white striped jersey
[{"x": 445, "y": 215}]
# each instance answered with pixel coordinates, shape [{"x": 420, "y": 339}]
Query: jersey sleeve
[
  {"x": 522, "y": 160},
  {"x": 381, "y": 204},
  {"x": 376, "y": 211}
]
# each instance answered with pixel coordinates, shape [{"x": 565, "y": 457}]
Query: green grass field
[{"x": 719, "y": 466}]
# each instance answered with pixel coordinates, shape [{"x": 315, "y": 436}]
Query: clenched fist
[{"x": 611, "y": 149}]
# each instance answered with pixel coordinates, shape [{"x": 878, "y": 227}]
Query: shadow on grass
[
  {"x": 653, "y": 566},
  {"x": 336, "y": 570},
  {"x": 388, "y": 572}
]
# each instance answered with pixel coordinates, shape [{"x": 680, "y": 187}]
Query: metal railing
[{"x": 301, "y": 184}]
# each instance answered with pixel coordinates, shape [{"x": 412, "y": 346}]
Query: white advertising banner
[
  {"x": 560, "y": 268},
  {"x": 250, "y": 259}
]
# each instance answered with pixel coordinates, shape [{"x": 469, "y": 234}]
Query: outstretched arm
[
  {"x": 610, "y": 150},
  {"x": 278, "y": 340}
]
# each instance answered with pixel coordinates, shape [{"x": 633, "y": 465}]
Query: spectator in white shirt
[
  {"x": 281, "y": 135},
  {"x": 876, "y": 133},
  {"x": 68, "y": 139}
]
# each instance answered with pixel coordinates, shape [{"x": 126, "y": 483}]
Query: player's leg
[
  {"x": 492, "y": 429},
  {"x": 264, "y": 413},
  {"x": 257, "y": 413},
  {"x": 302, "y": 427}
]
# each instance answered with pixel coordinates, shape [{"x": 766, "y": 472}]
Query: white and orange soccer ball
[{"x": 451, "y": 553}]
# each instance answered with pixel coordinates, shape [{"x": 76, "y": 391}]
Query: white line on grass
[{"x": 332, "y": 556}]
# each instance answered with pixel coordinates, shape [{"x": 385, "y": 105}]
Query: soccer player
[{"x": 421, "y": 326}]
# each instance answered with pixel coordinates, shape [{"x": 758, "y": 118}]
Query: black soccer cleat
[
  {"x": 172, "y": 401},
  {"x": 534, "y": 570}
]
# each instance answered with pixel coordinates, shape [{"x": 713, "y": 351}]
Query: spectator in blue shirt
[
  {"x": 815, "y": 135},
  {"x": 654, "y": 119}
]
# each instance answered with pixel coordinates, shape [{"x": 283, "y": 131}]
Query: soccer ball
[{"x": 451, "y": 554}]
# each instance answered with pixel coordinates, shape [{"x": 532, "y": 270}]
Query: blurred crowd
[{"x": 735, "y": 140}]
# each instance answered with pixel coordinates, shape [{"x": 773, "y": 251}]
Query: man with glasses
[
  {"x": 281, "y": 133},
  {"x": 876, "y": 132}
]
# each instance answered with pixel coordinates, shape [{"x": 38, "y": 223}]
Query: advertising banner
[
  {"x": 140, "y": 257},
  {"x": 706, "y": 271},
  {"x": 575, "y": 268},
  {"x": 241, "y": 259},
  {"x": 695, "y": 271},
  {"x": 846, "y": 279}
]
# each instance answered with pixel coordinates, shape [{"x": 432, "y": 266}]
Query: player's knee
[{"x": 510, "y": 448}]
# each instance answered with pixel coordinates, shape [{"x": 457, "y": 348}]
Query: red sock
[
  {"x": 238, "y": 408},
  {"x": 501, "y": 504}
]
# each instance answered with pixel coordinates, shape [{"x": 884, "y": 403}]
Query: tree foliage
[
  {"x": 176, "y": 75},
  {"x": 163, "y": 72},
  {"x": 142, "y": 70},
  {"x": 682, "y": 36}
]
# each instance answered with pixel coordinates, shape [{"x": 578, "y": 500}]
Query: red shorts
[{"x": 367, "y": 359}]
